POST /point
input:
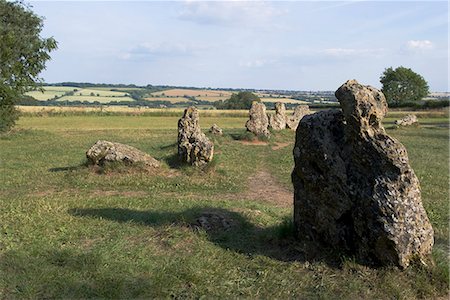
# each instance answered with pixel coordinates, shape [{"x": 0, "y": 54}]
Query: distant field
[
  {"x": 283, "y": 100},
  {"x": 212, "y": 98},
  {"x": 49, "y": 110},
  {"x": 80, "y": 94},
  {"x": 192, "y": 93},
  {"x": 50, "y": 92},
  {"x": 103, "y": 93},
  {"x": 117, "y": 89},
  {"x": 171, "y": 99},
  {"x": 101, "y": 99}
]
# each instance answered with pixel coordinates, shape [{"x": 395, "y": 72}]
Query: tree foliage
[
  {"x": 241, "y": 100},
  {"x": 23, "y": 54},
  {"x": 403, "y": 85}
]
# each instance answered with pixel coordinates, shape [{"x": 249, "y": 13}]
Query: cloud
[
  {"x": 229, "y": 12},
  {"x": 340, "y": 52},
  {"x": 419, "y": 45},
  {"x": 257, "y": 63},
  {"x": 353, "y": 52},
  {"x": 147, "y": 51}
]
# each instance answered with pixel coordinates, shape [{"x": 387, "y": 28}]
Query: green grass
[
  {"x": 50, "y": 92},
  {"x": 68, "y": 232}
]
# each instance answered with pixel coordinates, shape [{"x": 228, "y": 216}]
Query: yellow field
[
  {"x": 171, "y": 100},
  {"x": 212, "y": 98},
  {"x": 117, "y": 108},
  {"x": 94, "y": 99},
  {"x": 192, "y": 93}
]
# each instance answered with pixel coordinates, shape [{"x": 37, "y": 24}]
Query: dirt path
[{"x": 264, "y": 187}]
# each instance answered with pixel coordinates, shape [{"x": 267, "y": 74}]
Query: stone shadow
[
  {"x": 69, "y": 168},
  {"x": 228, "y": 229}
]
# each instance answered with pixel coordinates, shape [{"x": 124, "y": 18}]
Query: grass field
[
  {"x": 68, "y": 232},
  {"x": 100, "y": 92},
  {"x": 81, "y": 94},
  {"x": 50, "y": 92}
]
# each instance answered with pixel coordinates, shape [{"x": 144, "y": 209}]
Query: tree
[
  {"x": 23, "y": 54},
  {"x": 403, "y": 85},
  {"x": 241, "y": 100}
]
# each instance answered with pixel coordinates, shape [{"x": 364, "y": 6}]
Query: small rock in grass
[
  {"x": 216, "y": 130},
  {"x": 408, "y": 120}
]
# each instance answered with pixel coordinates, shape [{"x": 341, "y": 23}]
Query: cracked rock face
[
  {"x": 278, "y": 121},
  {"x": 103, "y": 152},
  {"x": 258, "y": 122},
  {"x": 193, "y": 146},
  {"x": 299, "y": 112},
  {"x": 354, "y": 188}
]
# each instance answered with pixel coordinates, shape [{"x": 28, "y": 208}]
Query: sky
[{"x": 291, "y": 45}]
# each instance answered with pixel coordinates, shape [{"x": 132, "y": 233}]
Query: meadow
[{"x": 68, "y": 231}]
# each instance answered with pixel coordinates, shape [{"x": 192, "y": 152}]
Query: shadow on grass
[
  {"x": 227, "y": 229},
  {"x": 173, "y": 161},
  {"x": 69, "y": 168}
]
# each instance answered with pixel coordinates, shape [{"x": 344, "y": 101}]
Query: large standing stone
[
  {"x": 193, "y": 145},
  {"x": 278, "y": 121},
  {"x": 408, "y": 120},
  {"x": 299, "y": 112},
  {"x": 103, "y": 152},
  {"x": 354, "y": 187},
  {"x": 258, "y": 122}
]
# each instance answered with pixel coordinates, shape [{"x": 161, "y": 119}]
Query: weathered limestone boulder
[
  {"x": 299, "y": 112},
  {"x": 193, "y": 145},
  {"x": 278, "y": 121},
  {"x": 103, "y": 152},
  {"x": 216, "y": 130},
  {"x": 258, "y": 122},
  {"x": 408, "y": 120},
  {"x": 354, "y": 187}
]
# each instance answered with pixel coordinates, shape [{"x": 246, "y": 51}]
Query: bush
[
  {"x": 8, "y": 117},
  {"x": 241, "y": 100}
]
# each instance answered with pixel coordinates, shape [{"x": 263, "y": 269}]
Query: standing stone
[
  {"x": 408, "y": 120},
  {"x": 353, "y": 186},
  {"x": 299, "y": 112},
  {"x": 258, "y": 122},
  {"x": 278, "y": 121},
  {"x": 103, "y": 152},
  {"x": 216, "y": 130},
  {"x": 193, "y": 145}
]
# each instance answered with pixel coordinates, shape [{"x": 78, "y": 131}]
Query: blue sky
[{"x": 299, "y": 45}]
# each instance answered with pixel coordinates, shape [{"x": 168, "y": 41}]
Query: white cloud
[
  {"x": 229, "y": 12},
  {"x": 257, "y": 63},
  {"x": 353, "y": 52},
  {"x": 154, "y": 50},
  {"x": 419, "y": 45}
]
